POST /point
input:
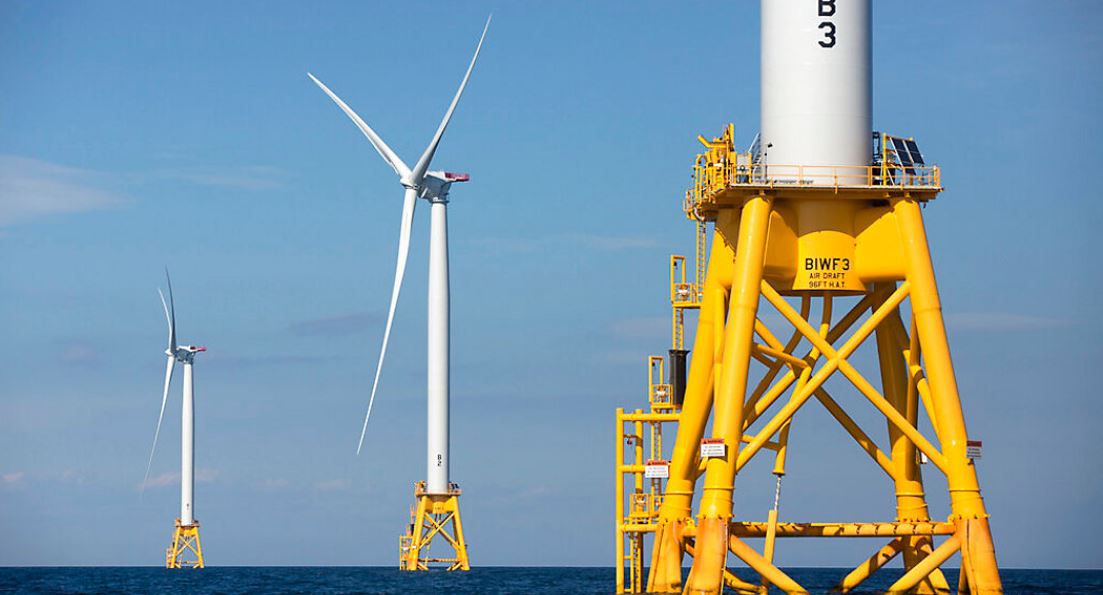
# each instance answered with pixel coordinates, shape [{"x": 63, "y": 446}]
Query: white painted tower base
[
  {"x": 187, "y": 449},
  {"x": 438, "y": 376}
]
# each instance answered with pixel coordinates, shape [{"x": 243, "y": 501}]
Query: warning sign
[
  {"x": 972, "y": 449},
  {"x": 713, "y": 448},
  {"x": 657, "y": 470}
]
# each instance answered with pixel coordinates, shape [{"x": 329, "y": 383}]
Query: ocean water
[{"x": 479, "y": 580}]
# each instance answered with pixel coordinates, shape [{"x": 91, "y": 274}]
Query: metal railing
[
  {"x": 711, "y": 178},
  {"x": 720, "y": 167}
]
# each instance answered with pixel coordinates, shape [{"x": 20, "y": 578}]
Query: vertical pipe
[
  {"x": 910, "y": 502},
  {"x": 619, "y": 506},
  {"x": 635, "y": 563},
  {"x": 187, "y": 449},
  {"x": 678, "y": 376},
  {"x": 637, "y": 428},
  {"x": 437, "y": 418}
]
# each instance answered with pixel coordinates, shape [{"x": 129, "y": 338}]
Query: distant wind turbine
[
  {"x": 433, "y": 186},
  {"x": 437, "y": 498},
  {"x": 186, "y": 535}
]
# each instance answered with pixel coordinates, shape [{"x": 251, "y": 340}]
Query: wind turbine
[
  {"x": 186, "y": 535},
  {"x": 436, "y": 496}
]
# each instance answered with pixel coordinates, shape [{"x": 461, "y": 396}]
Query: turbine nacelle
[
  {"x": 185, "y": 353},
  {"x": 436, "y": 184}
]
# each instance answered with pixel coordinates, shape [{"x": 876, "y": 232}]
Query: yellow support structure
[
  {"x": 637, "y": 510},
  {"x": 435, "y": 517},
  {"x": 645, "y": 470},
  {"x": 851, "y": 245},
  {"x": 185, "y": 550}
]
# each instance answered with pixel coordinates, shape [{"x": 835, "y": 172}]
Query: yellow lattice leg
[
  {"x": 460, "y": 544},
  {"x": 676, "y": 510},
  {"x": 965, "y": 500},
  {"x": 707, "y": 574},
  {"x": 911, "y": 504}
]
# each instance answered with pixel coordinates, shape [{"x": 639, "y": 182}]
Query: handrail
[
  {"x": 710, "y": 178},
  {"x": 720, "y": 167}
]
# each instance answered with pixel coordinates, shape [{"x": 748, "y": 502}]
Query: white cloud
[
  {"x": 30, "y": 189},
  {"x": 274, "y": 484},
  {"x": 74, "y": 476},
  {"x": 79, "y": 353},
  {"x": 537, "y": 491},
  {"x": 162, "y": 480},
  {"x": 13, "y": 478},
  {"x": 202, "y": 475},
  {"x": 257, "y": 177},
  {"x": 332, "y": 485}
]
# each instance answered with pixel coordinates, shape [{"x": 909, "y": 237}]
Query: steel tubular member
[
  {"x": 716, "y": 499},
  {"x": 965, "y": 500}
]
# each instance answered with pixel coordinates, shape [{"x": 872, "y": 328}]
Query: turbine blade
[
  {"x": 170, "y": 313},
  {"x": 168, "y": 319},
  {"x": 423, "y": 164},
  {"x": 164, "y": 400},
  {"x": 400, "y": 270},
  {"x": 381, "y": 147}
]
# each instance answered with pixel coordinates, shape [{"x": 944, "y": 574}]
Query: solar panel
[
  {"x": 902, "y": 152},
  {"x": 917, "y": 157}
]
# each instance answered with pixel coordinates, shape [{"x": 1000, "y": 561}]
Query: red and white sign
[
  {"x": 972, "y": 449},
  {"x": 713, "y": 448},
  {"x": 657, "y": 470}
]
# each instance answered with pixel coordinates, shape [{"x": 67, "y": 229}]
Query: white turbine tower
[
  {"x": 186, "y": 535},
  {"x": 438, "y": 496}
]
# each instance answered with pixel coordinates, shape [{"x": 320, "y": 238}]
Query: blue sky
[{"x": 134, "y": 136}]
